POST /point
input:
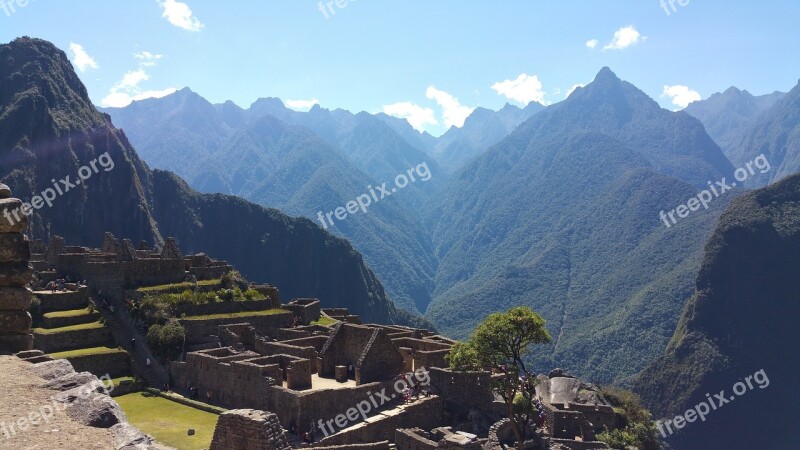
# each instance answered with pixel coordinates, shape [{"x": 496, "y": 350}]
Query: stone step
[
  {"x": 61, "y": 319},
  {"x": 63, "y": 300},
  {"x": 100, "y": 361},
  {"x": 74, "y": 337}
]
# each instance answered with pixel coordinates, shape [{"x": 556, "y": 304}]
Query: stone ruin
[
  {"x": 246, "y": 429},
  {"x": 15, "y": 275}
]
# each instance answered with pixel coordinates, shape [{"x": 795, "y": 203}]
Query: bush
[
  {"x": 233, "y": 280},
  {"x": 636, "y": 428},
  {"x": 167, "y": 340}
]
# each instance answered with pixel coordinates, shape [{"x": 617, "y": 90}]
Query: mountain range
[{"x": 49, "y": 129}]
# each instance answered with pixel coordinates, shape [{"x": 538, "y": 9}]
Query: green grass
[
  {"x": 117, "y": 381},
  {"x": 168, "y": 421},
  {"x": 325, "y": 321},
  {"x": 86, "y": 352},
  {"x": 71, "y": 313},
  {"x": 268, "y": 312},
  {"x": 185, "y": 285},
  {"x": 83, "y": 326}
]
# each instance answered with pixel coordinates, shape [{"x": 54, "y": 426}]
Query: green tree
[
  {"x": 500, "y": 344},
  {"x": 167, "y": 340}
]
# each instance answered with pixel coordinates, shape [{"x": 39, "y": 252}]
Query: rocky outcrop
[{"x": 15, "y": 274}]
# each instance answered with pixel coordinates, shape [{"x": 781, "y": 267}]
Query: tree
[
  {"x": 500, "y": 344},
  {"x": 167, "y": 340}
]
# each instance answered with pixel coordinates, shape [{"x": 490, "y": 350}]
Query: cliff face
[
  {"x": 741, "y": 320},
  {"x": 50, "y": 130}
]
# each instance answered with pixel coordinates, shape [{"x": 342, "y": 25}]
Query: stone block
[
  {"x": 341, "y": 373},
  {"x": 15, "y": 274},
  {"x": 15, "y": 322},
  {"x": 15, "y": 298},
  {"x": 12, "y": 225},
  {"x": 14, "y": 247},
  {"x": 16, "y": 343}
]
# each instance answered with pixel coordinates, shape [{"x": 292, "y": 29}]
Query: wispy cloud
[
  {"x": 681, "y": 95},
  {"x": 453, "y": 112},
  {"x": 592, "y": 43},
  {"x": 128, "y": 90},
  {"x": 302, "y": 105},
  {"x": 80, "y": 58},
  {"x": 416, "y": 115},
  {"x": 624, "y": 38},
  {"x": 524, "y": 89},
  {"x": 180, "y": 15}
]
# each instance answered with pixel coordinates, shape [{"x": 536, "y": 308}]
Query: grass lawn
[
  {"x": 86, "y": 352},
  {"x": 72, "y": 313},
  {"x": 268, "y": 312},
  {"x": 325, "y": 321},
  {"x": 185, "y": 285},
  {"x": 169, "y": 422},
  {"x": 83, "y": 326}
]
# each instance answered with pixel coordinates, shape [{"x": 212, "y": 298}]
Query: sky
[{"x": 429, "y": 61}]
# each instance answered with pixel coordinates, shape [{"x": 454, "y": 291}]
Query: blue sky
[{"x": 429, "y": 60}]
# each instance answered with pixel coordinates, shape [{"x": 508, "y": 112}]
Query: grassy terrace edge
[{"x": 81, "y": 327}]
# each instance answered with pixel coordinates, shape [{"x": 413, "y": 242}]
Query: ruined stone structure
[
  {"x": 15, "y": 274},
  {"x": 372, "y": 354},
  {"x": 247, "y": 429},
  {"x": 118, "y": 266}
]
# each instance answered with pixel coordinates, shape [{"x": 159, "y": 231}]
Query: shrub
[
  {"x": 636, "y": 428},
  {"x": 167, "y": 340},
  {"x": 234, "y": 279}
]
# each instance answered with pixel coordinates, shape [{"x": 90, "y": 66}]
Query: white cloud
[
  {"x": 302, "y": 105},
  {"x": 453, "y": 112},
  {"x": 180, "y": 15},
  {"x": 147, "y": 59},
  {"x": 592, "y": 43},
  {"x": 416, "y": 115},
  {"x": 116, "y": 99},
  {"x": 681, "y": 95},
  {"x": 80, "y": 58},
  {"x": 572, "y": 89},
  {"x": 525, "y": 89},
  {"x": 624, "y": 38},
  {"x": 127, "y": 89}
]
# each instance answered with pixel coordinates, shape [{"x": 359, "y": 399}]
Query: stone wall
[
  {"x": 424, "y": 413},
  {"x": 15, "y": 274},
  {"x": 247, "y": 429},
  {"x": 501, "y": 437},
  {"x": 369, "y": 349},
  {"x": 111, "y": 364},
  {"x": 69, "y": 340},
  {"x": 462, "y": 390},
  {"x": 63, "y": 301},
  {"x": 224, "y": 308},
  {"x": 307, "y": 310},
  {"x": 383, "y": 445},
  {"x": 197, "y": 330},
  {"x": 413, "y": 439}
]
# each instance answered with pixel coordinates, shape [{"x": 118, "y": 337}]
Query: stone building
[{"x": 15, "y": 275}]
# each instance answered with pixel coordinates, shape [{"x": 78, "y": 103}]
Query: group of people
[
  {"x": 194, "y": 392},
  {"x": 60, "y": 284}
]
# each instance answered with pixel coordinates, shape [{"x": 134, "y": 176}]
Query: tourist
[
  {"x": 291, "y": 426},
  {"x": 307, "y": 438},
  {"x": 208, "y": 395},
  {"x": 133, "y": 342},
  {"x": 147, "y": 363}
]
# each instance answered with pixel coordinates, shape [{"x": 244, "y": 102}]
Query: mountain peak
[{"x": 606, "y": 74}]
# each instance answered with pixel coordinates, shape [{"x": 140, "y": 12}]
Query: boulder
[
  {"x": 29, "y": 353},
  {"x": 15, "y": 298},
  {"x": 14, "y": 247},
  {"x": 15, "y": 274},
  {"x": 12, "y": 225},
  {"x": 126, "y": 437},
  {"x": 558, "y": 373},
  {"x": 5, "y": 191},
  {"x": 15, "y": 322},
  {"x": 96, "y": 410},
  {"x": 70, "y": 381},
  {"x": 53, "y": 369}
]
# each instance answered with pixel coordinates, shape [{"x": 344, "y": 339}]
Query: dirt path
[{"x": 21, "y": 396}]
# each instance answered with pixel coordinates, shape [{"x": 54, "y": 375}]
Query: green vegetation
[
  {"x": 160, "y": 308},
  {"x": 268, "y": 312},
  {"x": 71, "y": 313},
  {"x": 178, "y": 286},
  {"x": 83, "y": 326},
  {"x": 234, "y": 280},
  {"x": 86, "y": 352},
  {"x": 168, "y": 421},
  {"x": 166, "y": 340},
  {"x": 500, "y": 343},
  {"x": 325, "y": 321},
  {"x": 638, "y": 429}
]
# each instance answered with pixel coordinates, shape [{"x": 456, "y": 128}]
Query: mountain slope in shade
[
  {"x": 776, "y": 134},
  {"x": 741, "y": 319},
  {"x": 728, "y": 115},
  {"x": 482, "y": 129},
  {"x": 49, "y": 129},
  {"x": 566, "y": 221}
]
